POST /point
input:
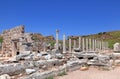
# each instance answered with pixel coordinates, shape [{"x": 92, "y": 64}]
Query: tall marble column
[
  {"x": 90, "y": 44},
  {"x": 80, "y": 42},
  {"x": 97, "y": 45},
  {"x": 93, "y": 45},
  {"x": 83, "y": 44},
  {"x": 103, "y": 45},
  {"x": 57, "y": 42},
  {"x": 100, "y": 45},
  {"x": 74, "y": 43},
  {"x": 64, "y": 44},
  {"x": 107, "y": 45},
  {"x": 69, "y": 45},
  {"x": 86, "y": 44},
  {"x": 44, "y": 46}
]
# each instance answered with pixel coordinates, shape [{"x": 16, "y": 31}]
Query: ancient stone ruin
[
  {"x": 33, "y": 56},
  {"x": 16, "y": 41}
]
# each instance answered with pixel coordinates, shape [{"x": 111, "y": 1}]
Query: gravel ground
[{"x": 93, "y": 73}]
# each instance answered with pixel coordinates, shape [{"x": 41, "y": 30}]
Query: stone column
[
  {"x": 97, "y": 45},
  {"x": 74, "y": 43},
  {"x": 57, "y": 42},
  {"x": 83, "y": 44},
  {"x": 80, "y": 42},
  {"x": 98, "y": 42},
  {"x": 100, "y": 45},
  {"x": 103, "y": 45},
  {"x": 44, "y": 46},
  {"x": 90, "y": 45},
  {"x": 93, "y": 45},
  {"x": 69, "y": 45},
  {"x": 64, "y": 44},
  {"x": 107, "y": 45},
  {"x": 86, "y": 44}
]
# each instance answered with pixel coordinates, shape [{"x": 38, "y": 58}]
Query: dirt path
[{"x": 93, "y": 73}]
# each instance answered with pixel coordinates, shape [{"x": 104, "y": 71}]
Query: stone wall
[
  {"x": 15, "y": 41},
  {"x": 10, "y": 39}
]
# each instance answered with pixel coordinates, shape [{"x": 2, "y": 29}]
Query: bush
[
  {"x": 111, "y": 43},
  {"x": 49, "y": 78},
  {"x": 52, "y": 43},
  {"x": 100, "y": 33}
]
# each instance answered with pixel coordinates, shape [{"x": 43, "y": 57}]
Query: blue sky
[{"x": 71, "y": 17}]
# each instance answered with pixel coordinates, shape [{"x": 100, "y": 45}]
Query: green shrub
[
  {"x": 49, "y": 78},
  {"x": 100, "y": 33},
  {"x": 111, "y": 43},
  {"x": 52, "y": 43}
]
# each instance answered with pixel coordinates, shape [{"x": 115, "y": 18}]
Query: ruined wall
[
  {"x": 17, "y": 41},
  {"x": 10, "y": 39}
]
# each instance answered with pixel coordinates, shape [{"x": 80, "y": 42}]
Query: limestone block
[
  {"x": 40, "y": 63},
  {"x": 116, "y": 47},
  {"x": 15, "y": 68},
  {"x": 116, "y": 55},
  {"x": 5, "y": 76},
  {"x": 30, "y": 71}
]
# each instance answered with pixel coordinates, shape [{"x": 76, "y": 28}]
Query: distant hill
[
  {"x": 38, "y": 36},
  {"x": 111, "y": 37}
]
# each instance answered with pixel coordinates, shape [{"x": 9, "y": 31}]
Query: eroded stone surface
[{"x": 5, "y": 76}]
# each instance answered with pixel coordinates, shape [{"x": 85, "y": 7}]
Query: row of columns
[{"x": 85, "y": 44}]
